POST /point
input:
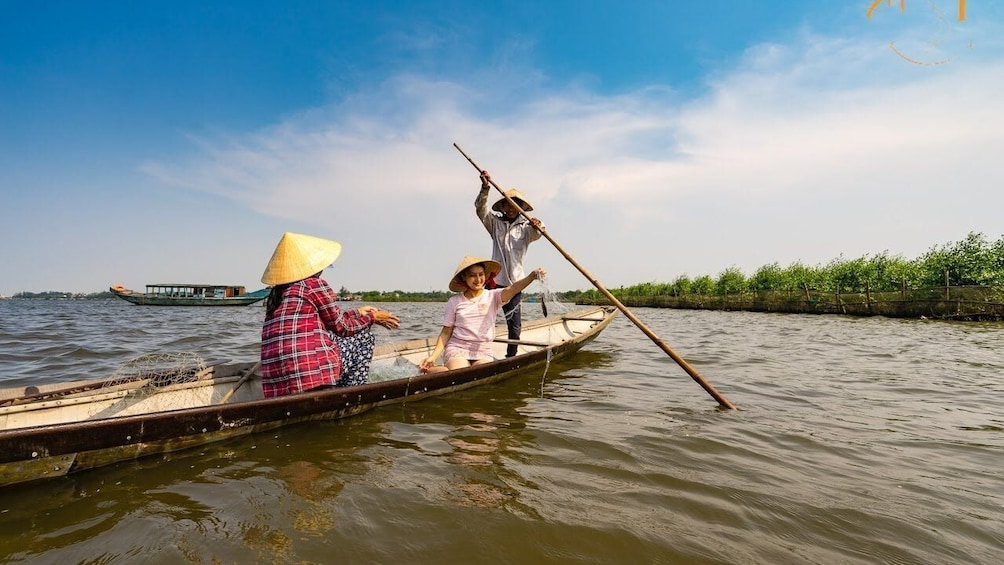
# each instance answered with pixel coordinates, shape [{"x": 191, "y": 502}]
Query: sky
[{"x": 150, "y": 142}]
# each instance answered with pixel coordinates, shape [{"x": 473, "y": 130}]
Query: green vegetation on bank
[
  {"x": 56, "y": 295},
  {"x": 397, "y": 296},
  {"x": 958, "y": 281},
  {"x": 974, "y": 261}
]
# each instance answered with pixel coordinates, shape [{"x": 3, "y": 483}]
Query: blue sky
[{"x": 145, "y": 142}]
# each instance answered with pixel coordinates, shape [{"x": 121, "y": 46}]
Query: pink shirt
[{"x": 473, "y": 323}]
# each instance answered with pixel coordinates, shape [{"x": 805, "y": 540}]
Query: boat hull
[{"x": 69, "y": 444}]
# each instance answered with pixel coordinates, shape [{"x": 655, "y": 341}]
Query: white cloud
[{"x": 802, "y": 152}]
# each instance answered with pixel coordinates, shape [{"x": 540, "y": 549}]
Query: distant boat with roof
[{"x": 176, "y": 294}]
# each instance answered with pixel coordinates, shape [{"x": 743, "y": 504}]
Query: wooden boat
[
  {"x": 190, "y": 295},
  {"x": 57, "y": 429}
]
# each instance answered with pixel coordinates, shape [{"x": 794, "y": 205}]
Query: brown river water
[{"x": 857, "y": 440}]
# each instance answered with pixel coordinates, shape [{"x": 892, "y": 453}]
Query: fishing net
[
  {"x": 156, "y": 370},
  {"x": 391, "y": 369},
  {"x": 551, "y": 307},
  {"x": 547, "y": 296}
]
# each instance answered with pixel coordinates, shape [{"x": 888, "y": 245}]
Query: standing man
[{"x": 511, "y": 235}]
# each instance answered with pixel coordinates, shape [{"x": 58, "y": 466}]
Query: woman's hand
[
  {"x": 388, "y": 320},
  {"x": 381, "y": 317},
  {"x": 427, "y": 364}
]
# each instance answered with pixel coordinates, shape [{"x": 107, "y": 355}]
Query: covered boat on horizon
[
  {"x": 55, "y": 429},
  {"x": 183, "y": 294}
]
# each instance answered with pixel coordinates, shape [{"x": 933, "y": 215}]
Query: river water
[{"x": 857, "y": 440}]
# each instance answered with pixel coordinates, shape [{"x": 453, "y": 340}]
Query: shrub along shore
[
  {"x": 945, "y": 303},
  {"x": 962, "y": 281}
]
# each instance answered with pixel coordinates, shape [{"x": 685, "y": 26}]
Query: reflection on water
[
  {"x": 476, "y": 444},
  {"x": 857, "y": 441}
]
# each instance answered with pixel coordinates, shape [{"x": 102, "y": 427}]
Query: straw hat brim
[
  {"x": 299, "y": 256},
  {"x": 491, "y": 268},
  {"x": 515, "y": 195}
]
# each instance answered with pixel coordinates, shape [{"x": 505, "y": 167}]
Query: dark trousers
[{"x": 514, "y": 321}]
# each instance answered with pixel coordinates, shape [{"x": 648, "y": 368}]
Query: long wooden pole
[{"x": 613, "y": 299}]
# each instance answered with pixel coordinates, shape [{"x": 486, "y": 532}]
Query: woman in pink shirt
[{"x": 469, "y": 322}]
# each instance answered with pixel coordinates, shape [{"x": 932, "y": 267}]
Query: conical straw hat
[
  {"x": 298, "y": 256},
  {"x": 491, "y": 268},
  {"x": 515, "y": 195}
]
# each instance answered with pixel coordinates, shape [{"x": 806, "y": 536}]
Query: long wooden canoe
[{"x": 57, "y": 429}]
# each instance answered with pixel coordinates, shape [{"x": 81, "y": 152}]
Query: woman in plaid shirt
[{"x": 308, "y": 342}]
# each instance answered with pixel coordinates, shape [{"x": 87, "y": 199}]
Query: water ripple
[{"x": 857, "y": 441}]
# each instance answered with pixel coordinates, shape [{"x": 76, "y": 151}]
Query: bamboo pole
[{"x": 724, "y": 402}]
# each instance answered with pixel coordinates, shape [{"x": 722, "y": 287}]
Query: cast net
[{"x": 153, "y": 371}]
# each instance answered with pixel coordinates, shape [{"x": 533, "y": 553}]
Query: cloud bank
[{"x": 799, "y": 152}]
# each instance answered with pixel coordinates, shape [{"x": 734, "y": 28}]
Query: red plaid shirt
[{"x": 297, "y": 353}]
